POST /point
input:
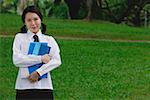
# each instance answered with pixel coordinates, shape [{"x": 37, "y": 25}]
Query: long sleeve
[
  {"x": 53, "y": 63},
  {"x": 20, "y": 58}
]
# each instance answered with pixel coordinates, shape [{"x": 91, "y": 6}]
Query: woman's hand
[
  {"x": 34, "y": 77},
  {"x": 45, "y": 58}
]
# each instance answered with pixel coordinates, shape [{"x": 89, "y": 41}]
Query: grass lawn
[
  {"x": 10, "y": 24},
  {"x": 90, "y": 70}
]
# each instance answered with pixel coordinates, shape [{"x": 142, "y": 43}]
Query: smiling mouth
[{"x": 33, "y": 27}]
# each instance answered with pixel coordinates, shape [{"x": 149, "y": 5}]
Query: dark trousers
[{"x": 34, "y": 94}]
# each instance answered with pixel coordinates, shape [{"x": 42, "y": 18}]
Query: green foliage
[
  {"x": 147, "y": 7},
  {"x": 60, "y": 11},
  {"x": 82, "y": 11},
  {"x": 118, "y": 11},
  {"x": 116, "y": 7},
  {"x": 45, "y": 6},
  {"x": 7, "y": 6}
]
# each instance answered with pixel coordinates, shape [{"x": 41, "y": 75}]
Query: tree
[
  {"x": 130, "y": 10},
  {"x": 138, "y": 6},
  {"x": 73, "y": 6},
  {"x": 93, "y": 7}
]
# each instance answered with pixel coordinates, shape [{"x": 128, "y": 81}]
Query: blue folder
[{"x": 38, "y": 48}]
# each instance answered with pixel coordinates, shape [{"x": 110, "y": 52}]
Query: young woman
[{"x": 30, "y": 86}]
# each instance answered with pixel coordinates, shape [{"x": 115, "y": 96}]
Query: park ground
[{"x": 100, "y": 60}]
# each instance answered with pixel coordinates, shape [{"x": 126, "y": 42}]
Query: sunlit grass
[{"x": 11, "y": 24}]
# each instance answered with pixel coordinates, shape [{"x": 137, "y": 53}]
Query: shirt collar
[{"x": 31, "y": 34}]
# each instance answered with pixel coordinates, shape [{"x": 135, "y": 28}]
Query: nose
[{"x": 32, "y": 22}]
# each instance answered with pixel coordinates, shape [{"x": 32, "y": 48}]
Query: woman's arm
[
  {"x": 54, "y": 62},
  {"x": 20, "y": 59}
]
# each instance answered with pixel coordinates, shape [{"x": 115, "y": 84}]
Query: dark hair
[{"x": 32, "y": 9}]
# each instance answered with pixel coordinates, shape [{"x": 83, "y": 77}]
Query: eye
[
  {"x": 29, "y": 20},
  {"x": 35, "y": 19}
]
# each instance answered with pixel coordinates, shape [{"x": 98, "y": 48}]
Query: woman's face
[{"x": 33, "y": 22}]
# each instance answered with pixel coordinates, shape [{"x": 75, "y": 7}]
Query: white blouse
[{"x": 22, "y": 60}]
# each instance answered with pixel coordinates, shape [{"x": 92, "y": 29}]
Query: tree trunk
[
  {"x": 74, "y": 6},
  {"x": 21, "y": 6},
  {"x": 89, "y": 4},
  {"x": 136, "y": 18}
]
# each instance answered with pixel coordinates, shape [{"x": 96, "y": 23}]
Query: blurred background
[{"x": 131, "y": 12}]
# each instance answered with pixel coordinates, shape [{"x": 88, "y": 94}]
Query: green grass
[
  {"x": 7, "y": 70},
  {"x": 90, "y": 70},
  {"x": 10, "y": 24}
]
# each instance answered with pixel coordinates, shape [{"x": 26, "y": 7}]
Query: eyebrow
[{"x": 33, "y": 18}]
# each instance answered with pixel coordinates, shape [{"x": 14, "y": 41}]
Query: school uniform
[{"x": 43, "y": 88}]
